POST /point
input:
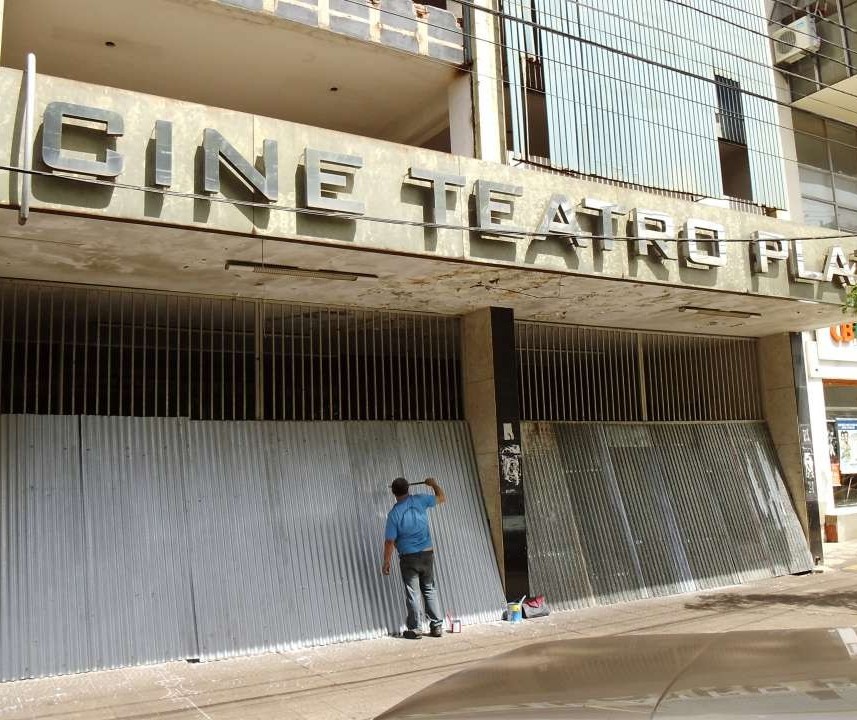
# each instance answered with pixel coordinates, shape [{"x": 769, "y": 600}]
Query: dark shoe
[
  {"x": 437, "y": 631},
  {"x": 411, "y": 635}
]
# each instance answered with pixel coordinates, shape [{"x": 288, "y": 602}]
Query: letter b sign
[{"x": 843, "y": 333}]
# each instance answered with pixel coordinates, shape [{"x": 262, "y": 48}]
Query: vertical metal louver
[
  {"x": 579, "y": 374},
  {"x": 629, "y": 92},
  {"x": 69, "y": 350}
]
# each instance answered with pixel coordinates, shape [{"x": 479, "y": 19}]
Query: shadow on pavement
[{"x": 735, "y": 601}]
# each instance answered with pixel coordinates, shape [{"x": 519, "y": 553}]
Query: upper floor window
[
  {"x": 827, "y": 158},
  {"x": 836, "y": 58}
]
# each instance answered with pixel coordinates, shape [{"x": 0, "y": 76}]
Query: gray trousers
[{"x": 418, "y": 576}]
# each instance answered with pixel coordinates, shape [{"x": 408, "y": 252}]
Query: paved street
[{"x": 359, "y": 680}]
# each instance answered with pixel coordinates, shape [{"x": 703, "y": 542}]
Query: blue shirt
[{"x": 407, "y": 524}]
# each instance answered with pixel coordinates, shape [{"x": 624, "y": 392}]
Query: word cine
[{"x": 699, "y": 244}]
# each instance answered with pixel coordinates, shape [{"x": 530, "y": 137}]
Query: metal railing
[
  {"x": 100, "y": 351},
  {"x": 569, "y": 373}
]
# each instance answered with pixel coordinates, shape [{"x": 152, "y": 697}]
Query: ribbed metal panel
[
  {"x": 137, "y": 540},
  {"x": 44, "y": 568},
  {"x": 138, "y": 583},
  {"x": 617, "y": 511},
  {"x": 651, "y": 509},
  {"x": 292, "y": 558},
  {"x": 639, "y": 115}
]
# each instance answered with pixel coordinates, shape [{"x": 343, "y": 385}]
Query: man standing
[{"x": 408, "y": 531}]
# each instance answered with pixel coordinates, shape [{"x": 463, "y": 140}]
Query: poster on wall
[
  {"x": 846, "y": 432},
  {"x": 833, "y": 452}
]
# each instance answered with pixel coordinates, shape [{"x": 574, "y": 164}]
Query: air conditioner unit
[{"x": 795, "y": 41}]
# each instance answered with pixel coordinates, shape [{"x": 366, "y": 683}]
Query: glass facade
[{"x": 827, "y": 157}]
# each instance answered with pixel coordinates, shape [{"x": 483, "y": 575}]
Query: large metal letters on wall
[
  {"x": 140, "y": 540},
  {"x": 314, "y": 184},
  {"x": 626, "y": 511}
]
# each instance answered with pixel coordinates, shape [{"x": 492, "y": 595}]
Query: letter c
[{"x": 52, "y": 155}]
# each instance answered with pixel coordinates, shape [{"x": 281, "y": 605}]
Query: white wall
[{"x": 825, "y": 360}]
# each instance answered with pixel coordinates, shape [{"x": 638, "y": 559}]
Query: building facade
[{"x": 259, "y": 257}]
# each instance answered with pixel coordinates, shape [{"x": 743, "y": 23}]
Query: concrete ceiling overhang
[
  {"x": 93, "y": 251},
  {"x": 837, "y": 102},
  {"x": 222, "y": 57}
]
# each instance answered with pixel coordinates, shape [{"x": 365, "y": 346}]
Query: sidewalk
[{"x": 359, "y": 680}]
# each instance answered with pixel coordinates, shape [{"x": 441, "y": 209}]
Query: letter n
[{"x": 217, "y": 148}]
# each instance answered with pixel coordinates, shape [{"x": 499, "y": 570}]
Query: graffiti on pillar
[
  {"x": 808, "y": 461},
  {"x": 510, "y": 468}
]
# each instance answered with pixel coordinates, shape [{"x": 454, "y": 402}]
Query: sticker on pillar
[
  {"x": 510, "y": 468},
  {"x": 508, "y": 431},
  {"x": 808, "y": 460}
]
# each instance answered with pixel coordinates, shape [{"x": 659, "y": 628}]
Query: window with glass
[
  {"x": 836, "y": 58},
  {"x": 827, "y": 158}
]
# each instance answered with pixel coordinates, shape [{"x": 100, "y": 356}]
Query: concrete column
[
  {"x": 786, "y": 409},
  {"x": 492, "y": 409},
  {"x": 480, "y": 411},
  {"x": 789, "y": 158},
  {"x": 488, "y": 115},
  {"x": 461, "y": 130}
]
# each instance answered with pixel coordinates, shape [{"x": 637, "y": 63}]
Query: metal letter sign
[
  {"x": 440, "y": 183},
  {"x": 691, "y": 252},
  {"x": 560, "y": 220},
  {"x": 320, "y": 181},
  {"x": 330, "y": 178},
  {"x": 766, "y": 246},
  {"x": 217, "y": 147},
  {"x": 797, "y": 271},
  {"x": 837, "y": 268},
  {"x": 52, "y": 155},
  {"x": 606, "y": 210},
  {"x": 163, "y": 153},
  {"x": 488, "y": 206},
  {"x": 652, "y": 240}
]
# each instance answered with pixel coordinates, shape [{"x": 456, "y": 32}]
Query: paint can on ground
[{"x": 513, "y": 612}]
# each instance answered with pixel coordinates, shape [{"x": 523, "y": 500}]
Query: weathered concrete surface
[
  {"x": 66, "y": 248},
  {"x": 359, "y": 680},
  {"x": 382, "y": 184}
]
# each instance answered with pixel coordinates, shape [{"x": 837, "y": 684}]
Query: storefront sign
[
  {"x": 842, "y": 334},
  {"x": 581, "y": 225},
  {"x": 846, "y": 431},
  {"x": 837, "y": 344}
]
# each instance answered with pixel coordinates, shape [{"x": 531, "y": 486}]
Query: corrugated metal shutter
[
  {"x": 158, "y": 539},
  {"x": 44, "y": 604},
  {"x": 623, "y": 511},
  {"x": 138, "y": 578}
]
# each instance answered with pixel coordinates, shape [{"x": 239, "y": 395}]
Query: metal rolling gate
[
  {"x": 237, "y": 521},
  {"x": 648, "y": 469}
]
